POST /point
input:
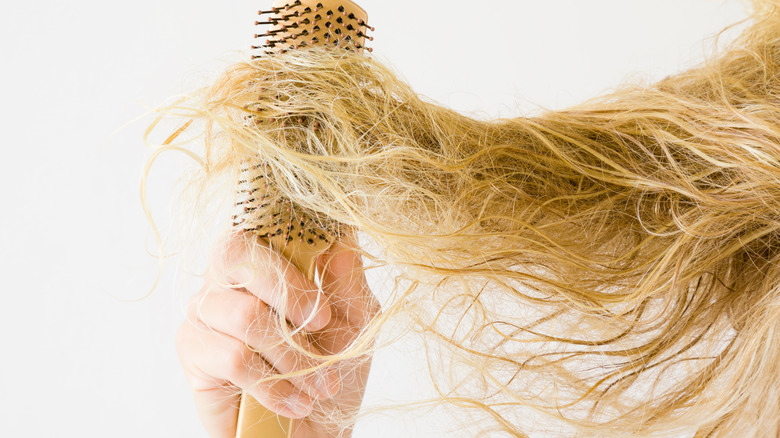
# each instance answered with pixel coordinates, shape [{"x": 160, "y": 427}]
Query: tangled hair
[{"x": 612, "y": 267}]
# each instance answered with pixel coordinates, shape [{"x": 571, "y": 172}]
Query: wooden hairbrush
[{"x": 298, "y": 234}]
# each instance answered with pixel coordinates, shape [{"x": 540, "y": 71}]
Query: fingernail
[
  {"x": 328, "y": 383},
  {"x": 321, "y": 317},
  {"x": 299, "y": 405}
]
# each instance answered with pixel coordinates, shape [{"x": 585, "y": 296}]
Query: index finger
[{"x": 266, "y": 274}]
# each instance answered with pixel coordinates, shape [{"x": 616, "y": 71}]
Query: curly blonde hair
[{"x": 612, "y": 266}]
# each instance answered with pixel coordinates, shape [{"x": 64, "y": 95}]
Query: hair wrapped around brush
[{"x": 613, "y": 266}]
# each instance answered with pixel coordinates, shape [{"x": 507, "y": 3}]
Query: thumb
[{"x": 344, "y": 282}]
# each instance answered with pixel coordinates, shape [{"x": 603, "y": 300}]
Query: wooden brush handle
[{"x": 255, "y": 421}]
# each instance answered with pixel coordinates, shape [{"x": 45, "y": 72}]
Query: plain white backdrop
[{"x": 78, "y": 357}]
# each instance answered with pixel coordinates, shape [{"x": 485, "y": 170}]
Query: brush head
[
  {"x": 293, "y": 24},
  {"x": 299, "y": 233}
]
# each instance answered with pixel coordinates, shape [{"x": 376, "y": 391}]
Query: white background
[{"x": 77, "y": 358}]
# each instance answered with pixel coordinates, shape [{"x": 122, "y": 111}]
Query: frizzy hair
[{"x": 612, "y": 266}]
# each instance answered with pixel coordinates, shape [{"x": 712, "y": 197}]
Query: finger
[
  {"x": 217, "y": 409},
  {"x": 344, "y": 281},
  {"x": 244, "y": 317},
  {"x": 336, "y": 336},
  {"x": 214, "y": 360},
  {"x": 267, "y": 275},
  {"x": 353, "y": 372},
  {"x": 216, "y": 401}
]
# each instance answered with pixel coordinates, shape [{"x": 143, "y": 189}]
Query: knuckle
[
  {"x": 194, "y": 303},
  {"x": 246, "y": 316},
  {"x": 236, "y": 364},
  {"x": 228, "y": 251}
]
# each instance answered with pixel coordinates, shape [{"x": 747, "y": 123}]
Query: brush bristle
[{"x": 262, "y": 211}]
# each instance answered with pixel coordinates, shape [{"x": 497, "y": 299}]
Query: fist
[{"x": 233, "y": 339}]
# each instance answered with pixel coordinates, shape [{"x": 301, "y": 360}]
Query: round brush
[{"x": 297, "y": 233}]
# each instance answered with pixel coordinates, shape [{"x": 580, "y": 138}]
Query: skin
[{"x": 230, "y": 337}]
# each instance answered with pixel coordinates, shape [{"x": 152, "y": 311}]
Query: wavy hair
[{"x": 612, "y": 267}]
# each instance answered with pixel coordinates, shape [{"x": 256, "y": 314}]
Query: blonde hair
[{"x": 613, "y": 265}]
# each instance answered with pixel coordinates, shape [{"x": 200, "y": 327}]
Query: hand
[{"x": 231, "y": 337}]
